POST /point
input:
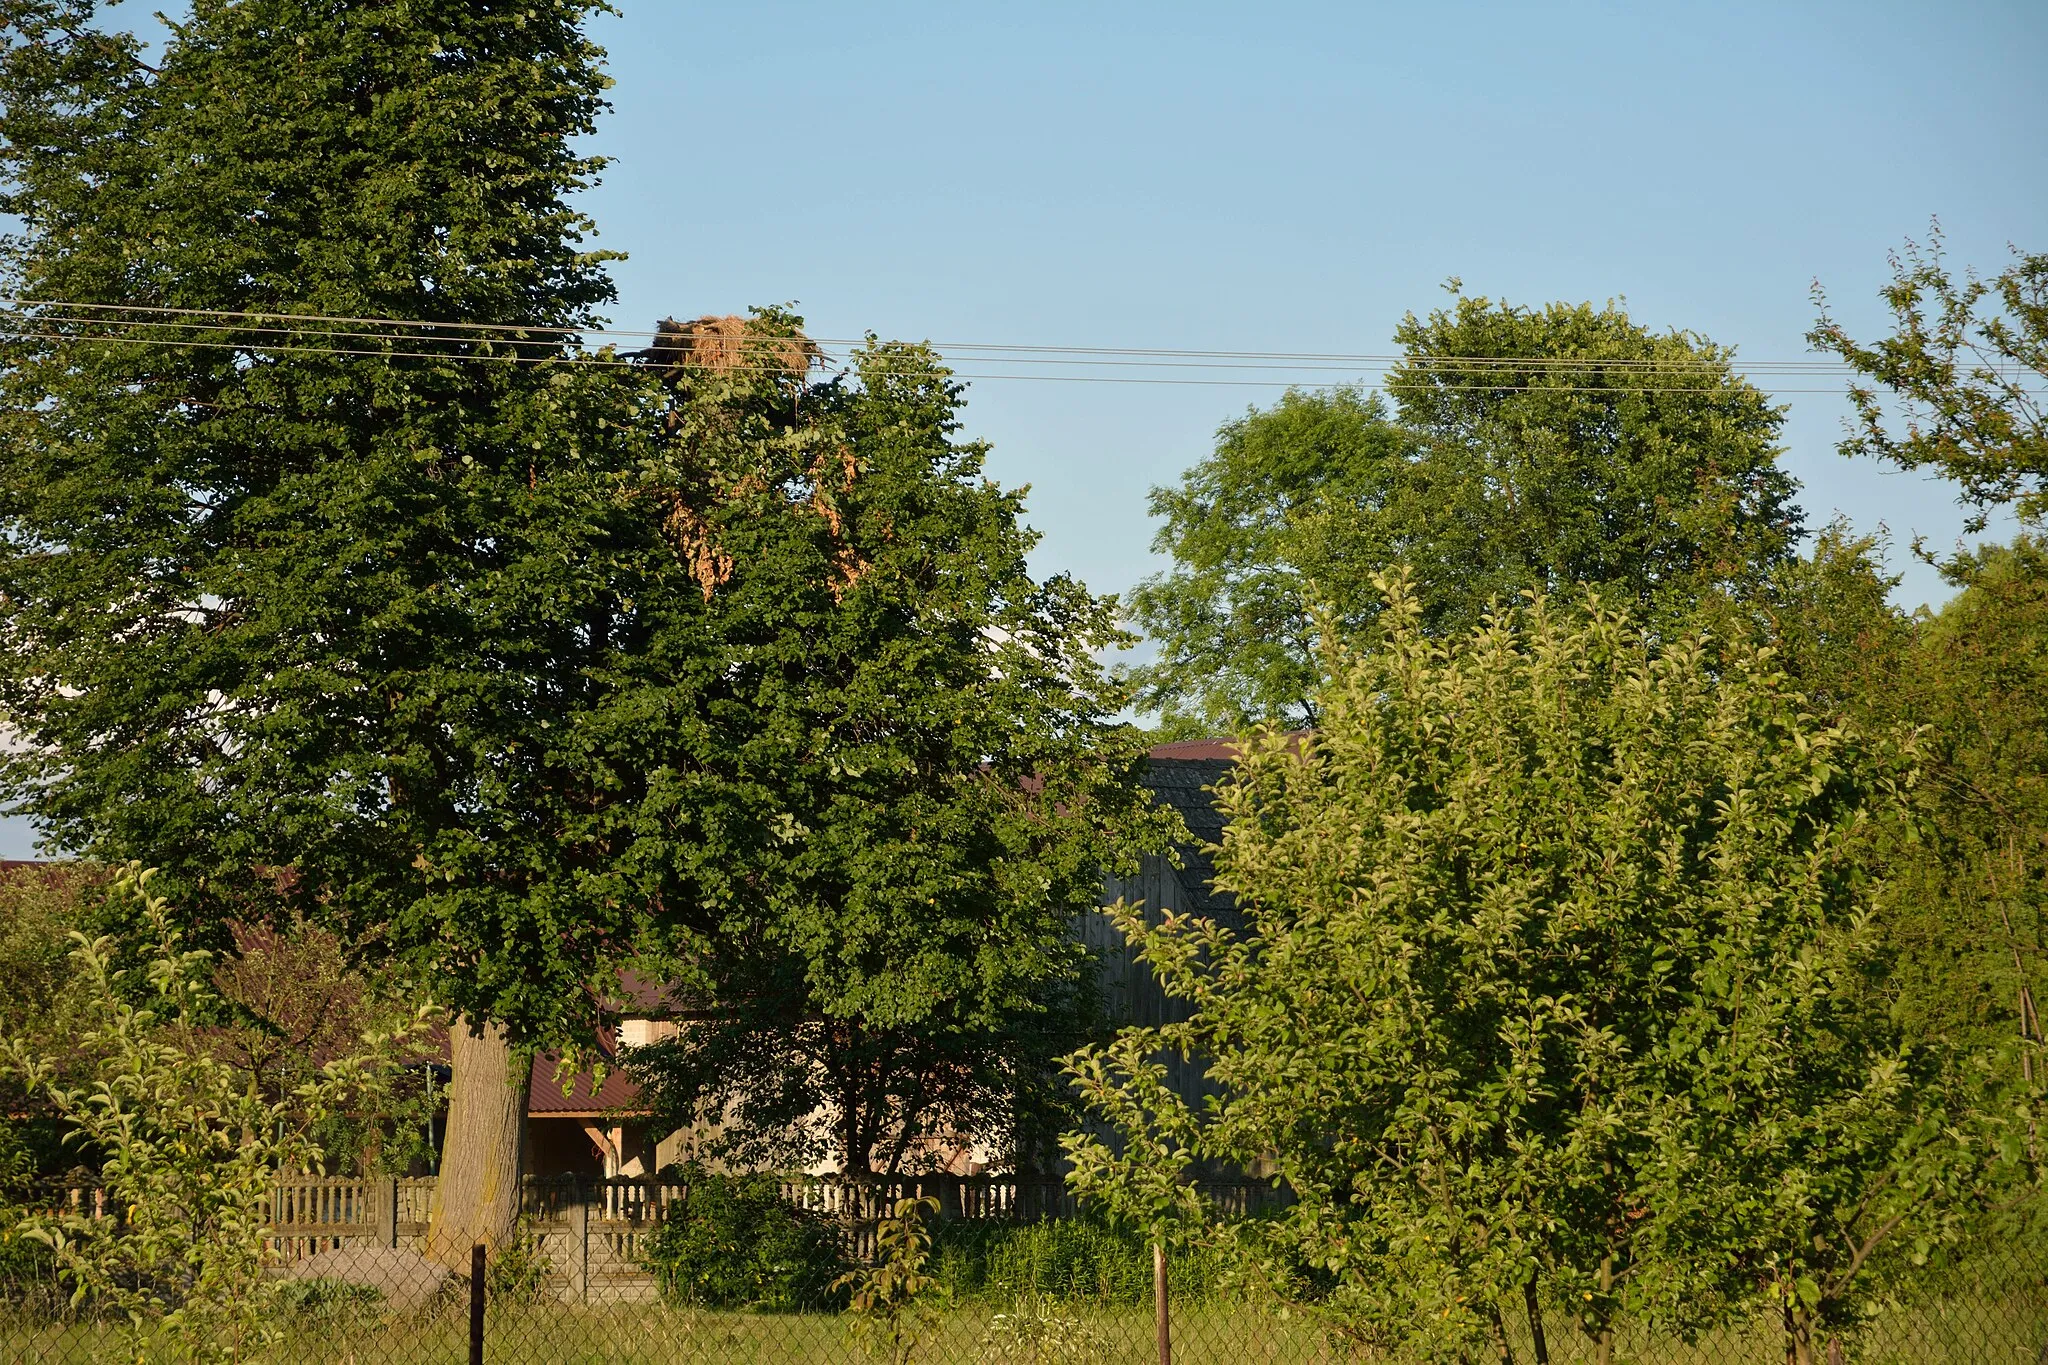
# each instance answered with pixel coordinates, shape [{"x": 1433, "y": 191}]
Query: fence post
[
  {"x": 387, "y": 1212},
  {"x": 1161, "y": 1324},
  {"x": 476, "y": 1304},
  {"x": 579, "y": 1245}
]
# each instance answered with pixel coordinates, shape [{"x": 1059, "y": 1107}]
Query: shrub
[
  {"x": 192, "y": 1151},
  {"x": 736, "y": 1243},
  {"x": 329, "y": 1301},
  {"x": 1062, "y": 1259},
  {"x": 894, "y": 1305},
  {"x": 519, "y": 1269},
  {"x": 1040, "y": 1336}
]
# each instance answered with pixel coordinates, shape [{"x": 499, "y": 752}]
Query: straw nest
[{"x": 724, "y": 344}]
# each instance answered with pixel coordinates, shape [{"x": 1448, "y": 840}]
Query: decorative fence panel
[{"x": 592, "y": 1232}]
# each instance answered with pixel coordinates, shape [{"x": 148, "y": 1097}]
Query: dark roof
[
  {"x": 1182, "y": 775},
  {"x": 1184, "y": 784},
  {"x": 547, "y": 1097},
  {"x": 550, "y": 1098}
]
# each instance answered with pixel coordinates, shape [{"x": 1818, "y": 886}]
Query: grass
[{"x": 2011, "y": 1330}]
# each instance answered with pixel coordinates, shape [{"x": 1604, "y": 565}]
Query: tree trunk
[
  {"x": 476, "y": 1198},
  {"x": 1539, "y": 1344},
  {"x": 1503, "y": 1349},
  {"x": 1799, "y": 1325}
]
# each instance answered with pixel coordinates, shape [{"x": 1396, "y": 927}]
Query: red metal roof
[
  {"x": 1211, "y": 750},
  {"x": 551, "y": 1098},
  {"x": 1225, "y": 749}
]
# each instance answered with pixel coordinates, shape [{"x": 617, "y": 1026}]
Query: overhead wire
[
  {"x": 962, "y": 375},
  {"x": 1716, "y": 366},
  {"x": 568, "y": 345},
  {"x": 1090, "y": 357}
]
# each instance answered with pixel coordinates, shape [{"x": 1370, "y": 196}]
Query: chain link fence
[{"x": 603, "y": 1272}]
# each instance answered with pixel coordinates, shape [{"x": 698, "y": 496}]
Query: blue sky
[{"x": 1296, "y": 177}]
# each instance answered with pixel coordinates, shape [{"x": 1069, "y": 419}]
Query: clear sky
[{"x": 1296, "y": 177}]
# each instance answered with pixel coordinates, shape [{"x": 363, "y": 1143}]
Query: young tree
[
  {"x": 306, "y": 611},
  {"x": 1969, "y": 927},
  {"x": 1562, "y": 449},
  {"x": 1964, "y": 364},
  {"x": 1504, "y": 909},
  {"x": 905, "y": 781},
  {"x": 192, "y": 1149}
]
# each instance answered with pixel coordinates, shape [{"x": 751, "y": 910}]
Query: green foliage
[
  {"x": 519, "y": 1267},
  {"x": 1828, "y": 617},
  {"x": 1064, "y": 1260},
  {"x": 506, "y": 672},
  {"x": 191, "y": 1152},
  {"x": 1561, "y": 983},
  {"x": 1041, "y": 1335},
  {"x": 291, "y": 1000},
  {"x": 40, "y": 907},
  {"x": 329, "y": 1302},
  {"x": 1956, "y": 387},
  {"x": 893, "y": 1306},
  {"x": 1969, "y": 923},
  {"x": 1583, "y": 453},
  {"x": 311, "y": 629},
  {"x": 1291, "y": 510},
  {"x": 737, "y": 1243},
  {"x": 904, "y": 776},
  {"x": 1564, "y": 449}
]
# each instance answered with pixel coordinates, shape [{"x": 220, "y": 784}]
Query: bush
[
  {"x": 330, "y": 1301},
  {"x": 192, "y": 1151},
  {"x": 735, "y": 1243},
  {"x": 1062, "y": 1258}
]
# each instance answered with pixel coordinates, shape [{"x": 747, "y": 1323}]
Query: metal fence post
[
  {"x": 579, "y": 1231},
  {"x": 476, "y": 1304},
  {"x": 1161, "y": 1324}
]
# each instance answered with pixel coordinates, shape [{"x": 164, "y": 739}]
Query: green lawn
[{"x": 2012, "y": 1330}]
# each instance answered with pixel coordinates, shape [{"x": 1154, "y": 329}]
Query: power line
[
  {"x": 565, "y": 346},
  {"x": 768, "y": 346},
  {"x": 1390, "y": 384},
  {"x": 1003, "y": 348}
]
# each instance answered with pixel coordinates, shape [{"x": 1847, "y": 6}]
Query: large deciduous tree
[
  {"x": 903, "y": 783},
  {"x": 308, "y": 613},
  {"x": 1290, "y": 513},
  {"x": 1564, "y": 449},
  {"x": 1956, "y": 389},
  {"x": 1560, "y": 990}
]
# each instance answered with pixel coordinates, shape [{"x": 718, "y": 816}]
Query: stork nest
[{"x": 729, "y": 344}]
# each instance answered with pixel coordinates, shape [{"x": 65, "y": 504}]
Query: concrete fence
[{"x": 590, "y": 1233}]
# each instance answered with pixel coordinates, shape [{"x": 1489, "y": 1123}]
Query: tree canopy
[
  {"x": 1561, "y": 983},
  {"x": 904, "y": 783},
  {"x": 1956, "y": 387},
  {"x": 296, "y": 623},
  {"x": 1565, "y": 449}
]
